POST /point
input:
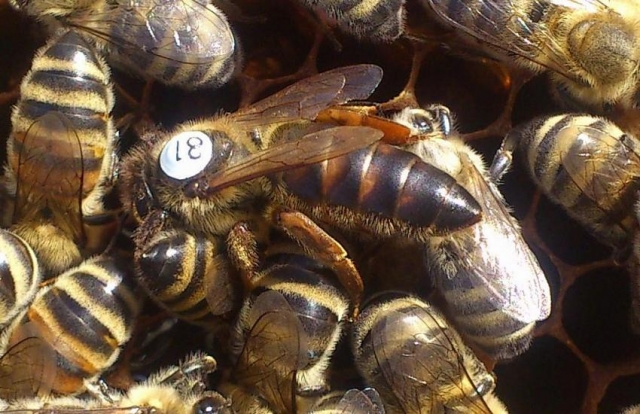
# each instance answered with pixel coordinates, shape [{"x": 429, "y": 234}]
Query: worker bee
[
  {"x": 353, "y": 401},
  {"x": 493, "y": 285},
  {"x": 634, "y": 409},
  {"x": 585, "y": 164},
  {"x": 212, "y": 174},
  {"x": 20, "y": 276},
  {"x": 418, "y": 363},
  {"x": 61, "y": 162},
  {"x": 187, "y": 274},
  {"x": 72, "y": 331},
  {"x": 185, "y": 43},
  {"x": 375, "y": 20},
  {"x": 290, "y": 324},
  {"x": 589, "y": 46},
  {"x": 177, "y": 389}
]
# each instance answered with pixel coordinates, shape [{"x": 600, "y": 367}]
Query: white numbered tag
[{"x": 186, "y": 154}]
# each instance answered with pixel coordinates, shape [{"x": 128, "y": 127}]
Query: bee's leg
[
  {"x": 503, "y": 158},
  {"x": 324, "y": 248},
  {"x": 138, "y": 118},
  {"x": 99, "y": 390},
  {"x": 242, "y": 249},
  {"x": 513, "y": 79}
]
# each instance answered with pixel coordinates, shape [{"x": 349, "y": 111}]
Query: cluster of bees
[{"x": 340, "y": 254}]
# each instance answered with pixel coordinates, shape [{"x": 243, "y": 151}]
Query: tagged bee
[
  {"x": 372, "y": 20},
  {"x": 60, "y": 155},
  {"x": 493, "y": 285},
  {"x": 212, "y": 174},
  {"x": 590, "y": 47},
  {"x": 185, "y": 43},
  {"x": 585, "y": 164},
  {"x": 20, "y": 277},
  {"x": 173, "y": 390},
  {"x": 71, "y": 333},
  {"x": 291, "y": 321},
  {"x": 418, "y": 363}
]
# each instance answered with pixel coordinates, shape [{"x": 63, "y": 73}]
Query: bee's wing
[
  {"x": 50, "y": 173},
  {"x": 355, "y": 401},
  {"x": 28, "y": 367},
  {"x": 306, "y": 98},
  {"x": 273, "y": 351},
  {"x": 424, "y": 368},
  {"x": 180, "y": 31},
  {"x": 498, "y": 259},
  {"x": 596, "y": 159},
  {"x": 312, "y": 148},
  {"x": 400, "y": 361},
  {"x": 523, "y": 31}
]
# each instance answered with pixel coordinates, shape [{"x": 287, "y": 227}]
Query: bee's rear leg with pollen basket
[{"x": 324, "y": 248}]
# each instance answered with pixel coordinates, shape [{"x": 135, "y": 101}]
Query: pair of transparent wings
[{"x": 523, "y": 23}]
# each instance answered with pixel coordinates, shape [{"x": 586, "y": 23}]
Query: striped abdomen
[
  {"x": 588, "y": 166},
  {"x": 188, "y": 44},
  {"x": 19, "y": 276},
  {"x": 62, "y": 130},
  {"x": 187, "y": 275},
  {"x": 376, "y": 20},
  {"x": 394, "y": 185},
  {"x": 86, "y": 315},
  {"x": 399, "y": 339},
  {"x": 497, "y": 333},
  {"x": 522, "y": 26}
]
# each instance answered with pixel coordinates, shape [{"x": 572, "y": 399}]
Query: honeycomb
[{"x": 584, "y": 358}]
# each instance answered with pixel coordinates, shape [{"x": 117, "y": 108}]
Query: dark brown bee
[
  {"x": 72, "y": 332},
  {"x": 210, "y": 175},
  {"x": 418, "y": 363},
  {"x": 186, "y": 43},
  {"x": 61, "y": 155}
]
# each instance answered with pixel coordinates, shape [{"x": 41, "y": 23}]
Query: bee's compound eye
[
  {"x": 186, "y": 155},
  {"x": 213, "y": 404}
]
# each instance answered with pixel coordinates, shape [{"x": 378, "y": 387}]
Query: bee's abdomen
[
  {"x": 19, "y": 276},
  {"x": 86, "y": 316},
  {"x": 178, "y": 269},
  {"x": 390, "y": 182},
  {"x": 494, "y": 331},
  {"x": 70, "y": 80}
]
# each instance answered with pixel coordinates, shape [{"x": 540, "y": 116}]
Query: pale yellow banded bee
[
  {"x": 71, "y": 333},
  {"x": 186, "y": 43},
  {"x": 20, "y": 276},
  {"x": 369, "y": 20},
  {"x": 60, "y": 155},
  {"x": 177, "y": 389},
  {"x": 415, "y": 359},
  {"x": 493, "y": 285},
  {"x": 590, "y": 47}
]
